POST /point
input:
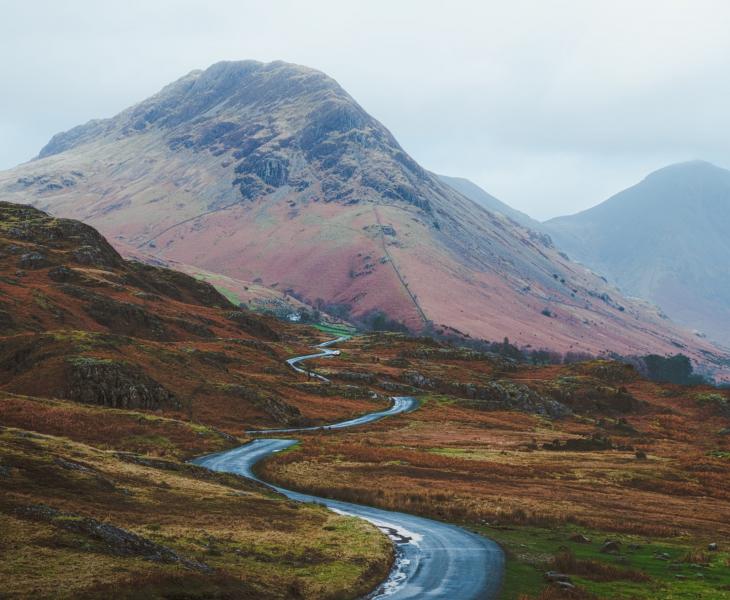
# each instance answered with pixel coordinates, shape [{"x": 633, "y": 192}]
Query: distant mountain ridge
[
  {"x": 665, "y": 239},
  {"x": 271, "y": 173},
  {"x": 484, "y": 199}
]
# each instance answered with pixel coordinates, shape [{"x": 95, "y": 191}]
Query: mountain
[
  {"x": 484, "y": 199},
  {"x": 664, "y": 239},
  {"x": 271, "y": 173}
]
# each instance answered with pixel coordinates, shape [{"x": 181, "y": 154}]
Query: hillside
[
  {"x": 273, "y": 174},
  {"x": 80, "y": 323},
  {"x": 664, "y": 239}
]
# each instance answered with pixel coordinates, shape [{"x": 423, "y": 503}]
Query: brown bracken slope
[{"x": 80, "y": 323}]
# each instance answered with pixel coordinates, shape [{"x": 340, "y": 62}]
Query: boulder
[
  {"x": 611, "y": 547},
  {"x": 114, "y": 384},
  {"x": 33, "y": 260},
  {"x": 565, "y": 585},
  {"x": 555, "y": 576}
]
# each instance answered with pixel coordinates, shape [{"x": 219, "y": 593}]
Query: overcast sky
[{"x": 550, "y": 106}]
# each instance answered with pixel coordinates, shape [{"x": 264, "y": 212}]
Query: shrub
[
  {"x": 718, "y": 402},
  {"x": 670, "y": 369},
  {"x": 566, "y": 562}
]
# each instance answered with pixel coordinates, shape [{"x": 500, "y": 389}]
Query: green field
[
  {"x": 676, "y": 569},
  {"x": 337, "y": 330}
]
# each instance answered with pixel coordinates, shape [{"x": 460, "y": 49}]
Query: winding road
[
  {"x": 433, "y": 559},
  {"x": 323, "y": 353}
]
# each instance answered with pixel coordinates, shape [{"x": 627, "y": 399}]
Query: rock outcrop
[{"x": 114, "y": 384}]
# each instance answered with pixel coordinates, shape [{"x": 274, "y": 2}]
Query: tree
[{"x": 670, "y": 369}]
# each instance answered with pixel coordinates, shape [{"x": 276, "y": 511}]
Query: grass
[
  {"x": 486, "y": 470},
  {"x": 482, "y": 468},
  {"x": 259, "y": 544},
  {"x": 640, "y": 572},
  {"x": 337, "y": 330},
  {"x": 229, "y": 294},
  {"x": 637, "y": 572},
  {"x": 107, "y": 428}
]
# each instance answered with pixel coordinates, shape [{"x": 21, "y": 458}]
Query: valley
[
  {"x": 250, "y": 348},
  {"x": 114, "y": 374}
]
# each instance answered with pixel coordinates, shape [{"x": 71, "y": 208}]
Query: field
[
  {"x": 659, "y": 491},
  {"x": 79, "y": 522}
]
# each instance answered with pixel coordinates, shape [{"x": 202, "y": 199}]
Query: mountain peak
[
  {"x": 690, "y": 168},
  {"x": 664, "y": 239},
  {"x": 205, "y": 95},
  {"x": 273, "y": 122}
]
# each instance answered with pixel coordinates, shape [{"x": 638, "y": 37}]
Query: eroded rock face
[
  {"x": 555, "y": 399},
  {"x": 115, "y": 384},
  {"x": 588, "y": 395},
  {"x": 358, "y": 377},
  {"x": 513, "y": 396}
]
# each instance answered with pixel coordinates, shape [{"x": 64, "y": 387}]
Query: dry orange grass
[{"x": 461, "y": 464}]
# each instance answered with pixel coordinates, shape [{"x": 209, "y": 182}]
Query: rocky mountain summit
[{"x": 270, "y": 173}]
